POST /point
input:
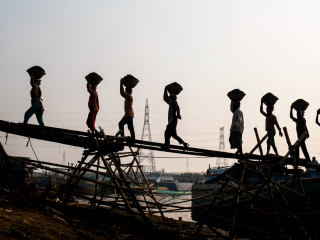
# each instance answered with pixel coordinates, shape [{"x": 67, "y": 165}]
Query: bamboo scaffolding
[{"x": 105, "y": 161}]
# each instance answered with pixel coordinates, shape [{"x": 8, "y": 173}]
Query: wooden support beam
[
  {"x": 258, "y": 164},
  {"x": 274, "y": 207},
  {"x": 295, "y": 144},
  {"x": 238, "y": 197},
  {"x": 258, "y": 140},
  {"x": 258, "y": 144},
  {"x": 73, "y": 175},
  {"x": 116, "y": 161},
  {"x": 216, "y": 197},
  {"x": 147, "y": 183},
  {"x": 290, "y": 210}
]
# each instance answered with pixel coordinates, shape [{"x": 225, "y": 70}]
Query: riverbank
[{"x": 27, "y": 220}]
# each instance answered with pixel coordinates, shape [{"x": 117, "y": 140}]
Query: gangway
[
  {"x": 125, "y": 184},
  {"x": 88, "y": 141}
]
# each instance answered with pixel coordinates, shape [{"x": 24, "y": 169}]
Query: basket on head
[
  {"x": 300, "y": 103},
  {"x": 129, "y": 81},
  {"x": 236, "y": 95},
  {"x": 93, "y": 78},
  {"x": 269, "y": 99},
  {"x": 37, "y": 71},
  {"x": 174, "y": 88}
]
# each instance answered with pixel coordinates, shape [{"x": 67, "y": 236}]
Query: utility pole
[
  {"x": 64, "y": 158},
  {"x": 146, "y": 135},
  {"x": 187, "y": 165},
  {"x": 221, "y": 162}
]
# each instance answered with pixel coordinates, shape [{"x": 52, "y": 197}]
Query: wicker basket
[
  {"x": 302, "y": 103},
  {"x": 269, "y": 99},
  {"x": 37, "y": 71},
  {"x": 174, "y": 88},
  {"x": 236, "y": 95},
  {"x": 130, "y": 81},
  {"x": 93, "y": 78}
]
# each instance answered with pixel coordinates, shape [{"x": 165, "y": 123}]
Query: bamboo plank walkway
[{"x": 86, "y": 141}]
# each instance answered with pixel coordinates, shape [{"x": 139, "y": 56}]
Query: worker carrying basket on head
[
  {"x": 93, "y": 79},
  {"x": 129, "y": 82},
  {"x": 36, "y": 73},
  {"x": 301, "y": 126},
  {"x": 271, "y": 120},
  {"x": 173, "y": 115},
  {"x": 237, "y": 124}
]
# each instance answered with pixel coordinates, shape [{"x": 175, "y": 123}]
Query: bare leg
[
  {"x": 240, "y": 149},
  {"x": 268, "y": 148},
  {"x": 304, "y": 150},
  {"x": 274, "y": 149},
  {"x": 167, "y": 135},
  {"x": 121, "y": 125},
  {"x": 131, "y": 128}
]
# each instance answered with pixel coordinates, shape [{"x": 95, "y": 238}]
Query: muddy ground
[{"x": 29, "y": 220}]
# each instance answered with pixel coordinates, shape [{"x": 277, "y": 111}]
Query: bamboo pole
[
  {"x": 296, "y": 175},
  {"x": 284, "y": 200},
  {"x": 215, "y": 198},
  {"x": 147, "y": 183},
  {"x": 274, "y": 207},
  {"x": 259, "y": 144},
  {"x": 295, "y": 144},
  {"x": 258, "y": 140},
  {"x": 76, "y": 176},
  {"x": 133, "y": 198},
  {"x": 238, "y": 196}
]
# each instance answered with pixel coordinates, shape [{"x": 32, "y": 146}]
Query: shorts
[
  {"x": 271, "y": 134},
  {"x": 235, "y": 139}
]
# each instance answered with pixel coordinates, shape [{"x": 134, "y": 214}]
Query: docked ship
[
  {"x": 310, "y": 181},
  {"x": 165, "y": 183},
  {"x": 210, "y": 184},
  {"x": 83, "y": 186},
  {"x": 214, "y": 172}
]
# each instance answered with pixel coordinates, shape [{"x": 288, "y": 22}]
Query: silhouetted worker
[
  {"x": 128, "y": 111},
  {"x": 36, "y": 101},
  {"x": 314, "y": 160},
  {"x": 93, "y": 105},
  {"x": 317, "y": 118},
  {"x": 301, "y": 127},
  {"x": 237, "y": 127},
  {"x": 173, "y": 116},
  {"x": 271, "y": 120}
]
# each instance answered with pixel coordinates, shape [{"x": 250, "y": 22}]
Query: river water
[
  {"x": 185, "y": 214},
  {"x": 172, "y": 199}
]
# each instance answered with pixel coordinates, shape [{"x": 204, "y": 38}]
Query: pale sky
[{"x": 209, "y": 47}]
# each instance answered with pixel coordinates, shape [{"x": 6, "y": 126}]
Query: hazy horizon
[{"x": 209, "y": 47}]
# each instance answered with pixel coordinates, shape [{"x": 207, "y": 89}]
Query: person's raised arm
[
  {"x": 165, "y": 95},
  {"x": 317, "y": 118},
  {"x": 32, "y": 81},
  {"x": 291, "y": 115},
  {"x": 122, "y": 92},
  {"x": 89, "y": 88},
  {"x": 261, "y": 109},
  {"x": 299, "y": 112}
]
